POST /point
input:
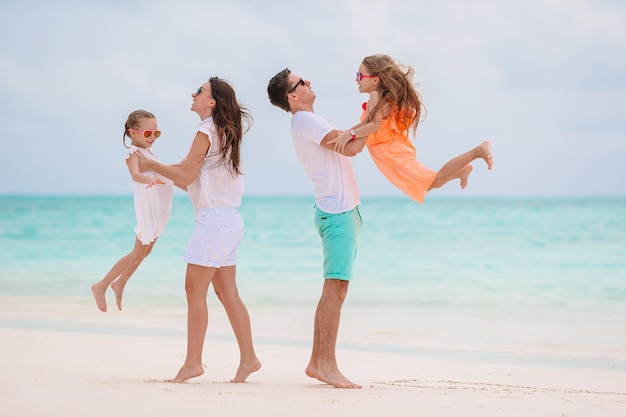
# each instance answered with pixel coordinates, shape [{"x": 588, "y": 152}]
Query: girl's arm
[
  {"x": 361, "y": 130},
  {"x": 133, "y": 166},
  {"x": 351, "y": 149},
  {"x": 183, "y": 173}
]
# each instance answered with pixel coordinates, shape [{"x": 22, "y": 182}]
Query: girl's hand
[
  {"x": 341, "y": 141},
  {"x": 155, "y": 181}
]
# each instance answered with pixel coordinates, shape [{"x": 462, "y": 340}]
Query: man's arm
[{"x": 352, "y": 148}]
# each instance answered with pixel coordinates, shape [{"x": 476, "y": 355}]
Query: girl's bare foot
[
  {"x": 464, "y": 174},
  {"x": 99, "y": 294},
  {"x": 245, "y": 370},
  {"x": 118, "y": 290},
  {"x": 187, "y": 372},
  {"x": 484, "y": 150}
]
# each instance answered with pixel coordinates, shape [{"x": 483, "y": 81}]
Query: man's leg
[{"x": 323, "y": 362}]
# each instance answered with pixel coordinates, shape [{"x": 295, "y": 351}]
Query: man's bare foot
[
  {"x": 245, "y": 369},
  {"x": 99, "y": 295},
  {"x": 118, "y": 290},
  {"x": 331, "y": 377},
  {"x": 464, "y": 174},
  {"x": 187, "y": 372},
  {"x": 484, "y": 149}
]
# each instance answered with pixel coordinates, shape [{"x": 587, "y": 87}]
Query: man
[{"x": 336, "y": 213}]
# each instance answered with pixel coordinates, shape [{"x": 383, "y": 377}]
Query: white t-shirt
[
  {"x": 336, "y": 190},
  {"x": 216, "y": 185}
]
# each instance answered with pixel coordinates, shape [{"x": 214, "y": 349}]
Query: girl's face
[
  {"x": 145, "y": 126},
  {"x": 367, "y": 83},
  {"x": 203, "y": 101}
]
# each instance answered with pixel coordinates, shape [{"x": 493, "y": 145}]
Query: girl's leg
[
  {"x": 197, "y": 283},
  {"x": 225, "y": 286},
  {"x": 128, "y": 263},
  {"x": 459, "y": 167},
  {"x": 118, "y": 285}
]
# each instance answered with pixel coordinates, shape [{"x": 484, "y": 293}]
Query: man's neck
[{"x": 296, "y": 107}]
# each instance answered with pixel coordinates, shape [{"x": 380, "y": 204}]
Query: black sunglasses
[
  {"x": 301, "y": 82},
  {"x": 201, "y": 90}
]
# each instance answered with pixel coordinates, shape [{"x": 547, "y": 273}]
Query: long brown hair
[
  {"x": 232, "y": 121},
  {"x": 396, "y": 89}
]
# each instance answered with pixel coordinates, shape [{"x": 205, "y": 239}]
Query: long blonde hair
[{"x": 396, "y": 89}]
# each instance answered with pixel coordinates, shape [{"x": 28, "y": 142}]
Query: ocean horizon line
[{"x": 310, "y": 196}]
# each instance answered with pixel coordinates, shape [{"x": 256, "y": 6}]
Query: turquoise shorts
[{"x": 339, "y": 233}]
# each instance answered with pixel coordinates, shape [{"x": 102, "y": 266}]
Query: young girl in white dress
[{"x": 153, "y": 206}]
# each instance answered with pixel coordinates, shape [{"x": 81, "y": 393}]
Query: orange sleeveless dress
[{"x": 396, "y": 158}]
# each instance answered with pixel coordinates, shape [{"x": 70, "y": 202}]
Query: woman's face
[{"x": 203, "y": 101}]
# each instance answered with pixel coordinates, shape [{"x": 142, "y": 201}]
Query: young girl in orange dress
[{"x": 393, "y": 109}]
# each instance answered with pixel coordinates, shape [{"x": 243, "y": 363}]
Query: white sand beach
[{"x": 62, "y": 372}]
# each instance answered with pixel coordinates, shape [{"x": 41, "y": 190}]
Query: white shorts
[{"x": 215, "y": 237}]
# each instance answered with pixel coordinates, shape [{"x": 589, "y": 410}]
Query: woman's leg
[
  {"x": 225, "y": 286},
  {"x": 197, "y": 283}
]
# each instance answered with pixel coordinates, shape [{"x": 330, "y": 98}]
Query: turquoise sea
[{"x": 530, "y": 278}]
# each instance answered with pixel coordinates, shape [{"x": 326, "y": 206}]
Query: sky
[{"x": 543, "y": 80}]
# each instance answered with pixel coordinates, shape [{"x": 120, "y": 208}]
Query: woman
[{"x": 211, "y": 174}]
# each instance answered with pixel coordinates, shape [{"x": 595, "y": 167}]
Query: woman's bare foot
[
  {"x": 331, "y": 376},
  {"x": 187, "y": 372},
  {"x": 118, "y": 290},
  {"x": 99, "y": 294},
  {"x": 245, "y": 369},
  {"x": 464, "y": 174},
  {"x": 484, "y": 150}
]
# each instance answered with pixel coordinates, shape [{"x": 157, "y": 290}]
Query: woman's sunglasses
[
  {"x": 201, "y": 90},
  {"x": 360, "y": 76},
  {"x": 148, "y": 133}
]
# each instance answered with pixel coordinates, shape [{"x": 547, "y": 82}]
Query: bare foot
[
  {"x": 464, "y": 174},
  {"x": 99, "y": 295},
  {"x": 484, "y": 150},
  {"x": 187, "y": 372},
  {"x": 118, "y": 290},
  {"x": 332, "y": 377},
  {"x": 245, "y": 369}
]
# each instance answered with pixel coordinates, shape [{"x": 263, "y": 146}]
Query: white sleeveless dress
[{"x": 153, "y": 205}]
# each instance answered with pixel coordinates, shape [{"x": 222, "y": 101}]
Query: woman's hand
[{"x": 144, "y": 163}]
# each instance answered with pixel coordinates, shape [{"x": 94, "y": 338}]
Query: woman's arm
[{"x": 183, "y": 173}]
